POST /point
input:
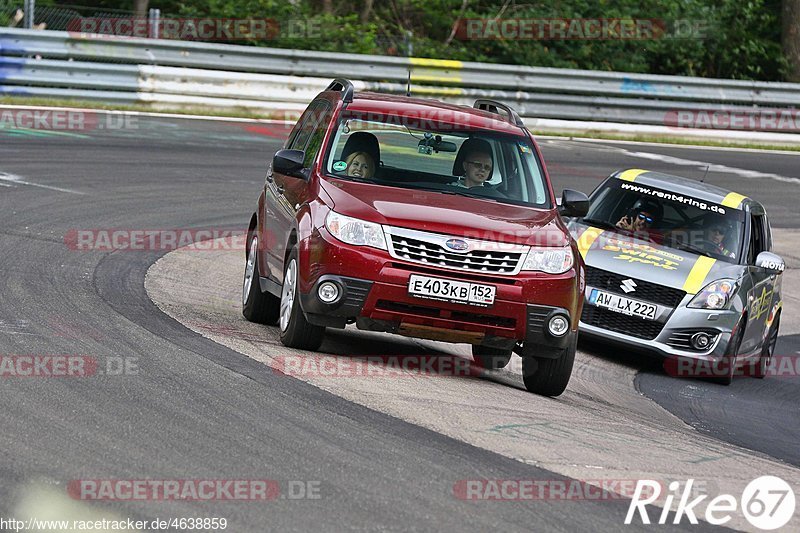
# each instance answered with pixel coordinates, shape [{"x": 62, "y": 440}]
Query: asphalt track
[{"x": 197, "y": 409}]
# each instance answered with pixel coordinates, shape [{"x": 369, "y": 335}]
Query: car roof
[
  {"x": 431, "y": 111},
  {"x": 686, "y": 186}
]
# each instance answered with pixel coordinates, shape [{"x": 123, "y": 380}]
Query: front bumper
[
  {"x": 678, "y": 325},
  {"x": 375, "y": 296}
]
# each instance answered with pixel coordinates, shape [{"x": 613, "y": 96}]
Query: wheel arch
[{"x": 252, "y": 226}]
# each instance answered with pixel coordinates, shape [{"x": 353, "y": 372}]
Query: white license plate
[
  {"x": 451, "y": 290},
  {"x": 621, "y": 304}
]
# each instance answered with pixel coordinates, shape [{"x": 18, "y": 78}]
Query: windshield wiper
[
  {"x": 424, "y": 188},
  {"x": 690, "y": 248},
  {"x": 644, "y": 235},
  {"x": 475, "y": 195},
  {"x": 356, "y": 178},
  {"x": 451, "y": 191}
]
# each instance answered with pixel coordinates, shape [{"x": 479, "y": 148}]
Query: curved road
[{"x": 191, "y": 408}]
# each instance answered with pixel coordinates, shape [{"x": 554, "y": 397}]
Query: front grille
[
  {"x": 460, "y": 274},
  {"x": 629, "y": 325},
  {"x": 485, "y": 257},
  {"x": 645, "y": 290},
  {"x": 682, "y": 340}
]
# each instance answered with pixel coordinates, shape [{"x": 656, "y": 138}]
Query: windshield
[
  {"x": 481, "y": 164},
  {"x": 668, "y": 218}
]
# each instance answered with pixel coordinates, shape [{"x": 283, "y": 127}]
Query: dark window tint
[
  {"x": 306, "y": 125},
  {"x": 758, "y": 238},
  {"x": 323, "y": 118}
]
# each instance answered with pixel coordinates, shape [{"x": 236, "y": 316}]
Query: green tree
[{"x": 712, "y": 38}]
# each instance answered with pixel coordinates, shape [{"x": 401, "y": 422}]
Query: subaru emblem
[{"x": 457, "y": 245}]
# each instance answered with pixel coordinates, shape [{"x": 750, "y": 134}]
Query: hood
[
  {"x": 641, "y": 259},
  {"x": 449, "y": 214}
]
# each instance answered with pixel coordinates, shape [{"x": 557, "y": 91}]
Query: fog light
[
  {"x": 701, "y": 341},
  {"x": 328, "y": 292},
  {"x": 558, "y": 326}
]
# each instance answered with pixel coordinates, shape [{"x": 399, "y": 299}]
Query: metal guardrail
[{"x": 149, "y": 70}]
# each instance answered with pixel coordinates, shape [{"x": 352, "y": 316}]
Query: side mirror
[
  {"x": 770, "y": 262},
  {"x": 289, "y": 162},
  {"x": 573, "y": 204}
]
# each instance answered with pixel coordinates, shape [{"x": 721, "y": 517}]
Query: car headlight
[
  {"x": 550, "y": 260},
  {"x": 715, "y": 295},
  {"x": 355, "y": 231}
]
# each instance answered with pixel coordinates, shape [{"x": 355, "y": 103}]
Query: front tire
[
  {"x": 548, "y": 376},
  {"x": 296, "y": 331},
  {"x": 490, "y": 358},
  {"x": 257, "y": 306},
  {"x": 730, "y": 354},
  {"x": 765, "y": 359}
]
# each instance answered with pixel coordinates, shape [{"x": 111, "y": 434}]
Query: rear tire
[
  {"x": 257, "y": 306},
  {"x": 764, "y": 360},
  {"x": 490, "y": 358},
  {"x": 296, "y": 331},
  {"x": 547, "y": 376}
]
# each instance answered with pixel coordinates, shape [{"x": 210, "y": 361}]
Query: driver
[
  {"x": 477, "y": 168},
  {"x": 641, "y": 220},
  {"x": 716, "y": 235}
]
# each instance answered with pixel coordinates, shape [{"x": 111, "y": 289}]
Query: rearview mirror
[
  {"x": 573, "y": 204},
  {"x": 770, "y": 262},
  {"x": 431, "y": 144},
  {"x": 289, "y": 162}
]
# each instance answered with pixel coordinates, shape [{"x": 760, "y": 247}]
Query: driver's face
[
  {"x": 716, "y": 235},
  {"x": 643, "y": 221},
  {"x": 477, "y": 169}
]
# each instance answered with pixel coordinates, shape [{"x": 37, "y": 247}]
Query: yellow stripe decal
[
  {"x": 701, "y": 268},
  {"x": 586, "y": 240},
  {"x": 431, "y": 76},
  {"x": 425, "y": 70},
  {"x": 733, "y": 200},
  {"x": 631, "y": 174},
  {"x": 438, "y": 91},
  {"x": 436, "y": 63}
]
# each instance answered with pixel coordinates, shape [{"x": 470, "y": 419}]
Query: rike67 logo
[{"x": 768, "y": 503}]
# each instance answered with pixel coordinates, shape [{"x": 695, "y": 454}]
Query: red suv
[{"x": 423, "y": 219}]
